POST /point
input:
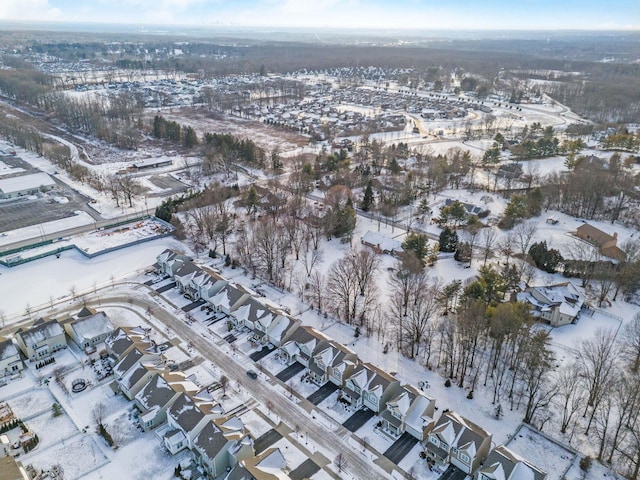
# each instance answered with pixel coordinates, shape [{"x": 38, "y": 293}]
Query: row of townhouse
[
  {"x": 190, "y": 417},
  {"x": 451, "y": 439},
  {"x": 47, "y": 336}
]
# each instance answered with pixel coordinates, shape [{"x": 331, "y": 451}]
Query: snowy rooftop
[
  {"x": 92, "y": 326},
  {"x": 7, "y": 349},
  {"x": 386, "y": 244},
  {"x": 41, "y": 332},
  {"x": 25, "y": 182}
]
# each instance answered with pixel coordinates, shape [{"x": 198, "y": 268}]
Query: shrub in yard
[
  {"x": 447, "y": 383},
  {"x": 585, "y": 463},
  {"x": 470, "y": 395}
]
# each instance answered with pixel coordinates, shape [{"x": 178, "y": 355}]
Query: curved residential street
[{"x": 334, "y": 440}]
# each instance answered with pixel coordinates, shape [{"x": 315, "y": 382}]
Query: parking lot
[{"x": 27, "y": 211}]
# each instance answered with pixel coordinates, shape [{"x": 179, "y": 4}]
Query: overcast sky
[{"x": 394, "y": 14}]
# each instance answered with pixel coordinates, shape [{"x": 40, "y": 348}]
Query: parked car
[{"x": 252, "y": 374}]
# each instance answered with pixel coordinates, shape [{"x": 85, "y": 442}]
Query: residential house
[
  {"x": 355, "y": 384},
  {"x": 607, "y": 244},
  {"x": 301, "y": 344},
  {"x": 184, "y": 275},
  {"x": 458, "y": 441},
  {"x": 503, "y": 464},
  {"x": 469, "y": 207},
  {"x": 381, "y": 244},
  {"x": 268, "y": 465},
  {"x": 281, "y": 330},
  {"x": 409, "y": 411},
  {"x": 159, "y": 394},
  {"x": 230, "y": 298},
  {"x": 221, "y": 444},
  {"x": 135, "y": 370},
  {"x": 253, "y": 311},
  {"x": 555, "y": 304},
  {"x": 169, "y": 261},
  {"x": 10, "y": 360},
  {"x": 122, "y": 340},
  {"x": 186, "y": 418},
  {"x": 87, "y": 331},
  {"x": 41, "y": 340},
  {"x": 380, "y": 388},
  {"x": 329, "y": 354},
  {"x": 206, "y": 284}
]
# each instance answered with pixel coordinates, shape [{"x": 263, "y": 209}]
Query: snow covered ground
[{"x": 42, "y": 282}]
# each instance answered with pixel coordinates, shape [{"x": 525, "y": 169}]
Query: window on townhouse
[
  {"x": 434, "y": 440},
  {"x": 454, "y": 450},
  {"x": 444, "y": 446},
  {"x": 465, "y": 459},
  {"x": 396, "y": 413}
]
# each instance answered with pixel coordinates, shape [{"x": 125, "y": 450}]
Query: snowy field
[{"x": 54, "y": 277}]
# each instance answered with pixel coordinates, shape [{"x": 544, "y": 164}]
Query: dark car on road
[{"x": 252, "y": 374}]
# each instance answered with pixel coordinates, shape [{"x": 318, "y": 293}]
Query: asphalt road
[{"x": 330, "y": 440}]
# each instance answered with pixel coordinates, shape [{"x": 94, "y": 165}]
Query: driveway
[
  {"x": 192, "y": 305},
  {"x": 453, "y": 473},
  {"x": 358, "y": 419},
  {"x": 322, "y": 393},
  {"x": 399, "y": 449},
  {"x": 290, "y": 371},
  {"x": 306, "y": 469},
  {"x": 169, "y": 286},
  {"x": 265, "y": 440},
  {"x": 260, "y": 354}
]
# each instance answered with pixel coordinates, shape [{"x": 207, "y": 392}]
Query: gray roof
[
  {"x": 41, "y": 331},
  {"x": 185, "y": 412},
  {"x": 210, "y": 440},
  {"x": 118, "y": 341},
  {"x": 135, "y": 376},
  {"x": 239, "y": 473},
  {"x": 156, "y": 393},
  {"x": 7, "y": 349},
  {"x": 510, "y": 462},
  {"x": 127, "y": 362}
]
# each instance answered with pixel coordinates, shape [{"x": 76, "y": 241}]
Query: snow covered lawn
[
  {"x": 77, "y": 456},
  {"x": 31, "y": 403},
  {"x": 543, "y": 453},
  {"x": 50, "y": 429}
]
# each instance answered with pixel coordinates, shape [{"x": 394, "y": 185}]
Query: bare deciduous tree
[
  {"x": 98, "y": 412},
  {"x": 571, "y": 395},
  {"x": 598, "y": 357}
]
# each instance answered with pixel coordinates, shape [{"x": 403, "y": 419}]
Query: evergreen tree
[
  {"x": 448, "y": 240},
  {"x": 190, "y": 137},
  {"x": 367, "y": 200},
  {"x": 418, "y": 243}
]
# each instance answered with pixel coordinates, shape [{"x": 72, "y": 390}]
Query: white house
[
  {"x": 221, "y": 444},
  {"x": 409, "y": 411},
  {"x": 159, "y": 394},
  {"x": 557, "y": 305},
  {"x": 10, "y": 361},
  {"x": 42, "y": 339},
  {"x": 458, "y": 441},
  {"x": 89, "y": 330},
  {"x": 186, "y": 418}
]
